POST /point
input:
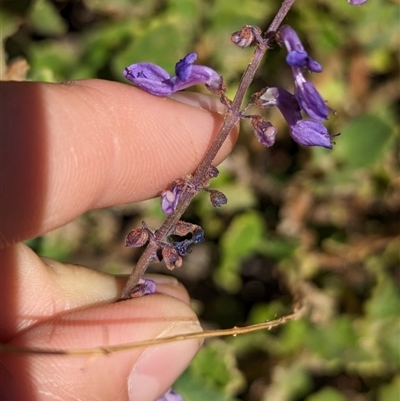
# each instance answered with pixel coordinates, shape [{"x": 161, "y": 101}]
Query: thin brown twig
[{"x": 104, "y": 350}]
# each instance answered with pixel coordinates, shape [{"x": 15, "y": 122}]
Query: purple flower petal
[
  {"x": 297, "y": 56},
  {"x": 170, "y": 199},
  {"x": 290, "y": 39},
  {"x": 150, "y": 77},
  {"x": 285, "y": 101},
  {"x": 171, "y": 395},
  {"x": 145, "y": 286},
  {"x": 356, "y": 2},
  {"x": 303, "y": 60},
  {"x": 183, "y": 68},
  {"x": 157, "y": 81},
  {"x": 309, "y": 98},
  {"x": 304, "y": 132},
  {"x": 199, "y": 74},
  {"x": 311, "y": 133}
]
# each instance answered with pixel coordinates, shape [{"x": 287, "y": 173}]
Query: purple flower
[
  {"x": 311, "y": 133},
  {"x": 356, "y": 2},
  {"x": 297, "y": 56},
  {"x": 182, "y": 246},
  {"x": 157, "y": 81},
  {"x": 304, "y": 132},
  {"x": 170, "y": 199},
  {"x": 308, "y": 97},
  {"x": 285, "y": 101},
  {"x": 265, "y": 132},
  {"x": 145, "y": 286},
  {"x": 171, "y": 395}
]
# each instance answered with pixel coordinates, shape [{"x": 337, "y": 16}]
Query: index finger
[{"x": 68, "y": 148}]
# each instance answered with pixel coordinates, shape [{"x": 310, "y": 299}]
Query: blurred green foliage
[{"x": 302, "y": 225}]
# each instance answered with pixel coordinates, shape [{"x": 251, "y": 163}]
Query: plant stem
[{"x": 232, "y": 116}]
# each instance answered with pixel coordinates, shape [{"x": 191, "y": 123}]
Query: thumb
[{"x": 137, "y": 374}]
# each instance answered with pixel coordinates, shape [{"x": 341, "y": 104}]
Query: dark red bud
[
  {"x": 248, "y": 36},
  {"x": 171, "y": 257},
  {"x": 264, "y": 130},
  {"x": 212, "y": 172},
  {"x": 217, "y": 198},
  {"x": 137, "y": 238},
  {"x": 183, "y": 228}
]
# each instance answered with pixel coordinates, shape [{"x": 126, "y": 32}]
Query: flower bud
[
  {"x": 137, "y": 237},
  {"x": 264, "y": 130},
  {"x": 183, "y": 228},
  {"x": 145, "y": 286},
  {"x": 170, "y": 198},
  {"x": 248, "y": 36},
  {"x": 171, "y": 257},
  {"x": 211, "y": 173},
  {"x": 217, "y": 198}
]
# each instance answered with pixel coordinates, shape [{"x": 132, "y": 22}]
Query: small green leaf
[
  {"x": 363, "y": 141},
  {"x": 212, "y": 375},
  {"x": 290, "y": 383},
  {"x": 52, "y": 60},
  {"x": 327, "y": 394},
  {"x": 215, "y": 366},
  {"x": 385, "y": 300},
  {"x": 46, "y": 20},
  {"x": 242, "y": 238},
  {"x": 193, "y": 389},
  {"x": 334, "y": 341}
]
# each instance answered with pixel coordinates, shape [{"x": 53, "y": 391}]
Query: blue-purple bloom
[
  {"x": 297, "y": 56},
  {"x": 171, "y": 395},
  {"x": 307, "y": 96},
  {"x": 145, "y": 286},
  {"x": 306, "y": 132},
  {"x": 356, "y": 2},
  {"x": 170, "y": 198},
  {"x": 157, "y": 81},
  {"x": 182, "y": 246}
]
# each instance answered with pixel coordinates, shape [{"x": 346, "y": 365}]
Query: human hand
[{"x": 66, "y": 149}]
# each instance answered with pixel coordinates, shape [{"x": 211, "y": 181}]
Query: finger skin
[
  {"x": 33, "y": 290},
  {"x": 47, "y": 304},
  {"x": 68, "y": 148},
  {"x": 105, "y": 376}
]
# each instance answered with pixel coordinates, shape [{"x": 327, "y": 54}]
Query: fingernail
[
  {"x": 159, "y": 366},
  {"x": 200, "y": 100}
]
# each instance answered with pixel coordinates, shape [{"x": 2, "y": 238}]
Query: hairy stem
[{"x": 232, "y": 116}]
